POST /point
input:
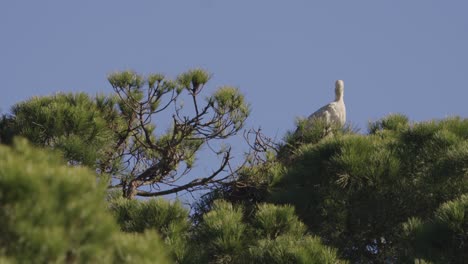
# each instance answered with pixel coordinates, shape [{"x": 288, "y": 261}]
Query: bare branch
[{"x": 194, "y": 183}]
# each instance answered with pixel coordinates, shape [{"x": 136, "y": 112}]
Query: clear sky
[{"x": 395, "y": 56}]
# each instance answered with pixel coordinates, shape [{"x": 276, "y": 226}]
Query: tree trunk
[{"x": 130, "y": 191}]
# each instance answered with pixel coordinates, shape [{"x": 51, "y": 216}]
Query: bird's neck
[{"x": 338, "y": 97}]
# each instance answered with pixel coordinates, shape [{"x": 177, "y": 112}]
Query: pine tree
[
  {"x": 356, "y": 191},
  {"x": 78, "y": 125},
  {"x": 442, "y": 237},
  {"x": 169, "y": 219},
  {"x": 273, "y": 234},
  {"x": 395, "y": 194},
  {"x": 121, "y": 136},
  {"x": 54, "y": 213}
]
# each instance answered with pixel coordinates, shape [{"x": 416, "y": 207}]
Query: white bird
[{"x": 333, "y": 113}]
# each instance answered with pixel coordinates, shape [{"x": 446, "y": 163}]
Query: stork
[{"x": 333, "y": 113}]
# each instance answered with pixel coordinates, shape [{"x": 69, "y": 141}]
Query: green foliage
[
  {"x": 158, "y": 214},
  {"x": 139, "y": 248},
  {"x": 395, "y": 122},
  {"x": 272, "y": 221},
  {"x": 272, "y": 235},
  {"x": 127, "y": 79},
  {"x": 168, "y": 219},
  {"x": 397, "y": 194},
  {"x": 193, "y": 80},
  {"x": 251, "y": 187},
  {"x": 154, "y": 78},
  {"x": 229, "y": 101},
  {"x": 364, "y": 161},
  {"x": 290, "y": 249},
  {"x": 282, "y": 239},
  {"x": 222, "y": 235},
  {"x": 309, "y": 132},
  {"x": 53, "y": 213},
  {"x": 118, "y": 137},
  {"x": 442, "y": 238},
  {"x": 355, "y": 190},
  {"x": 41, "y": 217},
  {"x": 5, "y": 260},
  {"x": 7, "y": 129},
  {"x": 79, "y": 126}
]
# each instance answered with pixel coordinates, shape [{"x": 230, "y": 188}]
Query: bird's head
[{"x": 339, "y": 89}]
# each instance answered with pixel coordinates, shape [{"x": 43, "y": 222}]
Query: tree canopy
[
  {"x": 54, "y": 213},
  {"x": 119, "y": 136},
  {"x": 375, "y": 197},
  {"x": 325, "y": 194}
]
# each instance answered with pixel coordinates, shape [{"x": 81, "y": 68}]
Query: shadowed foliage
[
  {"x": 53, "y": 213},
  {"x": 124, "y": 135},
  {"x": 355, "y": 191}
]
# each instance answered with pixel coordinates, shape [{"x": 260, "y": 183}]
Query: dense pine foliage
[
  {"x": 396, "y": 194},
  {"x": 54, "y": 213},
  {"x": 119, "y": 134}
]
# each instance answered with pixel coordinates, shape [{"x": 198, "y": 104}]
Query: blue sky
[{"x": 396, "y": 56}]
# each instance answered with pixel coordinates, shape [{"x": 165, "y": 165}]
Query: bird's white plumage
[{"x": 334, "y": 112}]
